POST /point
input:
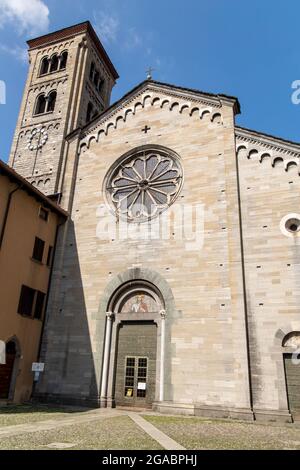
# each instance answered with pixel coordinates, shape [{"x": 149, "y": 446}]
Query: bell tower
[{"x": 69, "y": 82}]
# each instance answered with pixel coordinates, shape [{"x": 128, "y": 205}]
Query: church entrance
[
  {"x": 292, "y": 372},
  {"x": 136, "y": 364},
  {"x": 6, "y": 370},
  {"x": 134, "y": 346}
]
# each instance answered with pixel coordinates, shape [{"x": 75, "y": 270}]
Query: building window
[
  {"x": 92, "y": 70},
  {"x": 45, "y": 104},
  {"x": 44, "y": 66},
  {"x": 51, "y": 101},
  {"x": 26, "y": 301},
  {"x": 40, "y": 107},
  {"x": 63, "y": 60},
  {"x": 54, "y": 63},
  {"x": 96, "y": 79},
  {"x": 39, "y": 305},
  {"x": 89, "y": 112},
  {"x": 292, "y": 225},
  {"x": 100, "y": 86},
  {"x": 49, "y": 256},
  {"x": 38, "y": 249},
  {"x": 44, "y": 214},
  {"x": 31, "y": 303},
  {"x": 144, "y": 183}
]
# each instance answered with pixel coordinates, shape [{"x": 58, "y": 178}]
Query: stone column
[
  {"x": 105, "y": 369},
  {"x": 162, "y": 355}
]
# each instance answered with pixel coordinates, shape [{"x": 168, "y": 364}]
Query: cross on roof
[{"x": 149, "y": 73}]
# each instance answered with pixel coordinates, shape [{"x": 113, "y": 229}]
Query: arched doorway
[
  {"x": 134, "y": 346},
  {"x": 291, "y": 358},
  {"x": 7, "y": 370}
]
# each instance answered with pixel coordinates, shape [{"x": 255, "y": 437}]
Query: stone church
[{"x": 176, "y": 277}]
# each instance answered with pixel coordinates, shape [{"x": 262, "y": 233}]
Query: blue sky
[{"x": 248, "y": 49}]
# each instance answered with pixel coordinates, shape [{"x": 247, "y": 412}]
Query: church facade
[{"x": 175, "y": 281}]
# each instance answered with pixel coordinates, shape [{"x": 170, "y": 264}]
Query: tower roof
[{"x": 71, "y": 31}]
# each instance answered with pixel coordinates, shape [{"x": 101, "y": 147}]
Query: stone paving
[{"x": 95, "y": 415}]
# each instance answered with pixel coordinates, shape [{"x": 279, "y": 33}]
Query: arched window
[
  {"x": 101, "y": 85},
  {"x": 54, "y": 63},
  {"x": 89, "y": 112},
  {"x": 44, "y": 66},
  {"x": 40, "y": 106},
  {"x": 63, "y": 60},
  {"x": 92, "y": 70},
  {"x": 96, "y": 78},
  {"x": 51, "y": 101},
  {"x": 291, "y": 340}
]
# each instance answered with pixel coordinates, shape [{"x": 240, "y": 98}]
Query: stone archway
[
  {"x": 291, "y": 360},
  {"x": 140, "y": 300}
]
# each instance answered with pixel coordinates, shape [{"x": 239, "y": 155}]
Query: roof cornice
[
  {"x": 269, "y": 141},
  {"x": 70, "y": 32},
  {"x": 207, "y": 99}
]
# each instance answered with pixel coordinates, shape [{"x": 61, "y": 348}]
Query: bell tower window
[
  {"x": 63, "y": 60},
  {"x": 51, "y": 101},
  {"x": 40, "y": 107},
  {"x": 54, "y": 63},
  {"x": 89, "y": 112},
  {"x": 45, "y": 104},
  {"x": 44, "y": 66}
]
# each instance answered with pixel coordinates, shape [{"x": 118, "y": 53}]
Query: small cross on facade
[{"x": 146, "y": 129}]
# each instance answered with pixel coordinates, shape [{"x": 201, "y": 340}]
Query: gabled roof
[
  {"x": 7, "y": 171},
  {"x": 160, "y": 86},
  {"x": 267, "y": 138},
  {"x": 71, "y": 31}
]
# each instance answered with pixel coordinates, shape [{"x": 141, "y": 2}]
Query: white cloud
[
  {"x": 133, "y": 39},
  {"x": 107, "y": 26},
  {"x": 26, "y": 16},
  {"x": 19, "y": 53}
]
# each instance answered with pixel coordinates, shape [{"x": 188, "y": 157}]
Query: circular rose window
[{"x": 144, "y": 184}]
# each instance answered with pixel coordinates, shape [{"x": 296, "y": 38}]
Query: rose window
[{"x": 144, "y": 185}]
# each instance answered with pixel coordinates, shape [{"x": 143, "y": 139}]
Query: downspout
[
  {"x": 47, "y": 297},
  {"x": 7, "y": 212},
  {"x": 247, "y": 329},
  {"x": 49, "y": 285}
]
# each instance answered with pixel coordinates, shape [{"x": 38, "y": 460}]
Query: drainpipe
[
  {"x": 48, "y": 291},
  {"x": 46, "y": 303},
  {"x": 246, "y": 317},
  {"x": 7, "y": 212}
]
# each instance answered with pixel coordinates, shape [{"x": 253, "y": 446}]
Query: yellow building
[{"x": 29, "y": 223}]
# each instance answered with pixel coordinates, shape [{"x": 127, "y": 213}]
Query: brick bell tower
[{"x": 69, "y": 82}]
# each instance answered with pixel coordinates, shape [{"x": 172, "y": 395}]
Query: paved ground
[
  {"x": 199, "y": 433},
  {"x": 43, "y": 427}
]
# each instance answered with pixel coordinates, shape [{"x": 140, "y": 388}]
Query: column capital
[
  {"x": 163, "y": 314},
  {"x": 110, "y": 315}
]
